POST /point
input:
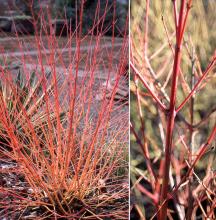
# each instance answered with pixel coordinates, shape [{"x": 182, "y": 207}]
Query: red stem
[
  {"x": 171, "y": 116},
  {"x": 185, "y": 19}
]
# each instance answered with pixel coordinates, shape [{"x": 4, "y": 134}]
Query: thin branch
[
  {"x": 161, "y": 105},
  {"x": 208, "y": 69},
  {"x": 175, "y": 15},
  {"x": 146, "y": 29},
  {"x": 190, "y": 184},
  {"x": 171, "y": 117},
  {"x": 157, "y": 52},
  {"x": 202, "y": 151},
  {"x": 148, "y": 162},
  {"x": 147, "y": 193},
  {"x": 205, "y": 118}
]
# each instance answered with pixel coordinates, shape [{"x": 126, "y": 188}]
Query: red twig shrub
[
  {"x": 169, "y": 182},
  {"x": 63, "y": 152}
]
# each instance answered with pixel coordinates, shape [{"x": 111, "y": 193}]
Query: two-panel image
[{"x": 107, "y": 109}]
